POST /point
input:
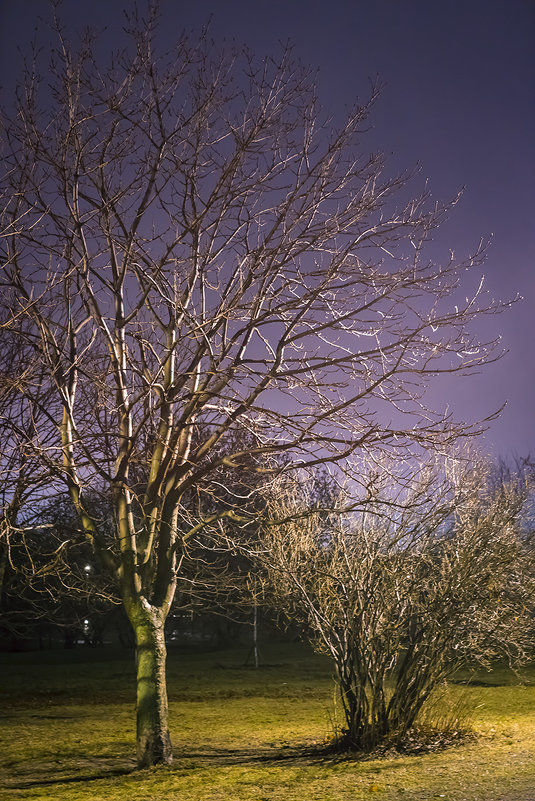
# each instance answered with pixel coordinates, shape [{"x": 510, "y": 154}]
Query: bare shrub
[{"x": 404, "y": 595}]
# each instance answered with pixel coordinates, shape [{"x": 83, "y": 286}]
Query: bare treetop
[{"x": 211, "y": 239}]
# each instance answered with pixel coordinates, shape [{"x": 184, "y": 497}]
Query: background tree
[
  {"x": 23, "y": 475},
  {"x": 188, "y": 245},
  {"x": 432, "y": 578}
]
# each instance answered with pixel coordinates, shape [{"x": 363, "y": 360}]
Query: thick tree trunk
[{"x": 153, "y": 740}]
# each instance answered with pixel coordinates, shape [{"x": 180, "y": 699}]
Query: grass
[{"x": 241, "y": 734}]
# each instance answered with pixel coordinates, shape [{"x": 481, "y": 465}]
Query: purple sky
[{"x": 458, "y": 101}]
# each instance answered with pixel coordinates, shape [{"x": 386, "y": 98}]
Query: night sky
[{"x": 458, "y": 102}]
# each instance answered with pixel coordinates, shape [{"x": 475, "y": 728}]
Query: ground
[{"x": 244, "y": 735}]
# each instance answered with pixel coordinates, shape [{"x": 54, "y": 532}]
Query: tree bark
[{"x": 153, "y": 739}]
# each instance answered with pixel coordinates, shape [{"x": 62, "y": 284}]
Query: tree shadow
[
  {"x": 209, "y": 757},
  {"x": 48, "y": 773},
  {"x": 84, "y": 777},
  {"x": 303, "y": 754}
]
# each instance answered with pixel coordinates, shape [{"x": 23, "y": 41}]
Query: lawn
[{"x": 241, "y": 734}]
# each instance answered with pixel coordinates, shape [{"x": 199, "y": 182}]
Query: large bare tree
[{"x": 190, "y": 248}]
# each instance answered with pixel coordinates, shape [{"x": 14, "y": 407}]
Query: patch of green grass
[{"x": 240, "y": 734}]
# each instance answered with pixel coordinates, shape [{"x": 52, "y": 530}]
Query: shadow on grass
[
  {"x": 477, "y": 683},
  {"x": 299, "y": 755},
  {"x": 190, "y": 760},
  {"x": 80, "y": 777},
  {"x": 47, "y": 772},
  {"x": 304, "y": 754},
  {"x": 317, "y": 753}
]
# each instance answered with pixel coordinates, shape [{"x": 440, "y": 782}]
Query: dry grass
[{"x": 244, "y": 735}]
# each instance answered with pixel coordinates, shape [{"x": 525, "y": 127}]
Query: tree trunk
[{"x": 153, "y": 739}]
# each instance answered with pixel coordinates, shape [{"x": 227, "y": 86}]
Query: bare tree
[
  {"x": 431, "y": 578},
  {"x": 23, "y": 475},
  {"x": 43, "y": 550},
  {"x": 190, "y": 248}
]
